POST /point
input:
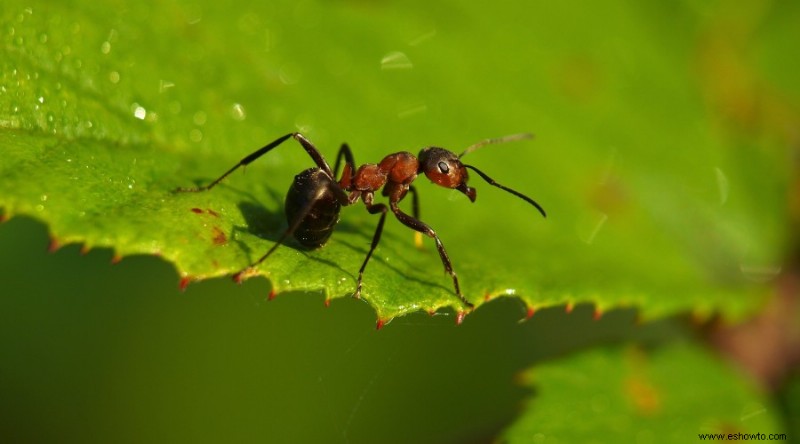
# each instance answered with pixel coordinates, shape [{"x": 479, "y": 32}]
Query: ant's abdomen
[{"x": 311, "y": 198}]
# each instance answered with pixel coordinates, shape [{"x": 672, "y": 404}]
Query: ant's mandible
[{"x": 315, "y": 198}]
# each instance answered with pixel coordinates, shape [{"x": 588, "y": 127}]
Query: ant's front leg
[{"x": 422, "y": 227}]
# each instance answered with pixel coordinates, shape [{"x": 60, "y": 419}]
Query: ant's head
[{"x": 445, "y": 169}]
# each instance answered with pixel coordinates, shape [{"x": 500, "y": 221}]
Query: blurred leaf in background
[
  {"x": 665, "y": 155},
  {"x": 673, "y": 394}
]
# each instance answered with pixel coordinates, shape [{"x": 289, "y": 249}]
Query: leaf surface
[
  {"x": 673, "y": 394},
  {"x": 655, "y": 196}
]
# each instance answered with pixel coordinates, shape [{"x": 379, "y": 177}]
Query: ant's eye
[{"x": 443, "y": 168}]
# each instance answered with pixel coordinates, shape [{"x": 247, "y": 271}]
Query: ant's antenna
[
  {"x": 491, "y": 181},
  {"x": 504, "y": 139}
]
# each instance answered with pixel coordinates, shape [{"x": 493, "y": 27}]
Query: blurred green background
[
  {"x": 99, "y": 352},
  {"x": 666, "y": 156}
]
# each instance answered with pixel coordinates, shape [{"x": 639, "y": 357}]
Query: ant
[{"x": 315, "y": 197}]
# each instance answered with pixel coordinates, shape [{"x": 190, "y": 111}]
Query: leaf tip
[
  {"x": 381, "y": 322},
  {"x": 54, "y": 245},
  {"x": 569, "y": 307},
  {"x": 460, "y": 317},
  {"x": 530, "y": 312},
  {"x": 185, "y": 281},
  {"x": 272, "y": 294},
  {"x": 598, "y": 313}
]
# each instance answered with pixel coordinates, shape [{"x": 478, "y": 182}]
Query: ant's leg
[
  {"x": 344, "y": 151},
  {"x": 309, "y": 147},
  {"x": 414, "y": 201},
  {"x": 422, "y": 227},
  {"x": 289, "y": 231},
  {"x": 415, "y": 212},
  {"x": 376, "y": 238}
]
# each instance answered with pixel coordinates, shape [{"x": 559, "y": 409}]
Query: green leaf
[
  {"x": 658, "y": 195},
  {"x": 671, "y": 394}
]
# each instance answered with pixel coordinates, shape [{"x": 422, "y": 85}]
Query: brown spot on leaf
[{"x": 218, "y": 236}]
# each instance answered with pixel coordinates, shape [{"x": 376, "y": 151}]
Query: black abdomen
[{"x": 311, "y": 192}]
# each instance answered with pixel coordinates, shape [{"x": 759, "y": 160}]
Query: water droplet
[
  {"x": 304, "y": 123},
  {"x": 752, "y": 410},
  {"x": 396, "y": 60},
  {"x": 200, "y": 118},
  {"x": 138, "y": 111},
  {"x": 43, "y": 38},
  {"x": 105, "y": 47},
  {"x": 40, "y": 207},
  {"x": 43, "y": 197},
  {"x": 41, "y": 99},
  {"x": 408, "y": 110},
  {"x": 164, "y": 85},
  {"x": 113, "y": 77},
  {"x": 289, "y": 74},
  {"x": 423, "y": 38},
  {"x": 195, "y": 135},
  {"x": 238, "y": 112}
]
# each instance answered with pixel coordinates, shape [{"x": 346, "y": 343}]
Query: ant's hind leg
[
  {"x": 249, "y": 158},
  {"x": 301, "y": 215},
  {"x": 312, "y": 151}
]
